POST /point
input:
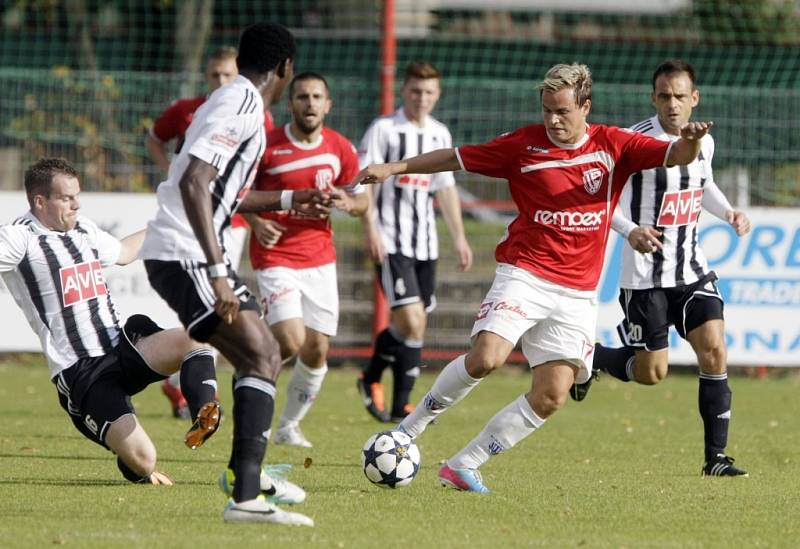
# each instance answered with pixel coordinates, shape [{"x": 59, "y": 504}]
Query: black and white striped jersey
[
  {"x": 671, "y": 200},
  {"x": 227, "y": 131},
  {"x": 57, "y": 280},
  {"x": 403, "y": 209}
]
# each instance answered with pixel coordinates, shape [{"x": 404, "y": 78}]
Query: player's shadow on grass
[{"x": 39, "y": 481}]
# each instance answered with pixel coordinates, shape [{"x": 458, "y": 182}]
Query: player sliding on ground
[
  {"x": 52, "y": 261},
  {"x": 565, "y": 177}
]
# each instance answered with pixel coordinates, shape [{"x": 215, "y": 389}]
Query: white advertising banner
[
  {"x": 759, "y": 281},
  {"x": 118, "y": 213}
]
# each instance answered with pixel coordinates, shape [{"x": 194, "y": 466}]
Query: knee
[
  {"x": 314, "y": 352},
  {"x": 482, "y": 363},
  {"x": 548, "y": 402},
  {"x": 712, "y": 358},
  {"x": 138, "y": 463}
]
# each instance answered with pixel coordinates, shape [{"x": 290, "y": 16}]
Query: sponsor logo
[
  {"x": 592, "y": 180},
  {"x": 280, "y": 152},
  {"x": 588, "y": 350},
  {"x": 400, "y": 286},
  {"x": 570, "y": 221},
  {"x": 534, "y": 148},
  {"x": 283, "y": 292},
  {"x": 432, "y": 404},
  {"x": 324, "y": 179},
  {"x": 82, "y": 282},
  {"x": 227, "y": 138},
  {"x": 495, "y": 447},
  {"x": 512, "y": 308},
  {"x": 416, "y": 181},
  {"x": 724, "y": 415},
  {"x": 680, "y": 208}
]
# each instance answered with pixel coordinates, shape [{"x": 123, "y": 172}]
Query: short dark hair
[
  {"x": 422, "y": 70},
  {"x": 263, "y": 47},
  {"x": 39, "y": 176},
  {"x": 673, "y": 66},
  {"x": 308, "y": 75}
]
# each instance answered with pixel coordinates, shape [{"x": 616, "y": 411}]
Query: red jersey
[
  {"x": 289, "y": 164},
  {"x": 565, "y": 195},
  {"x": 173, "y": 123}
]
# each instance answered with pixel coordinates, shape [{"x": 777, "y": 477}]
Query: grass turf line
[{"x": 620, "y": 469}]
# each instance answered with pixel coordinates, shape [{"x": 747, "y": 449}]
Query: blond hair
[{"x": 576, "y": 77}]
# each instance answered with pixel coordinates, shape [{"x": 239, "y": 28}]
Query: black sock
[
  {"x": 405, "y": 371},
  {"x": 386, "y": 348},
  {"x": 198, "y": 379},
  {"x": 253, "y": 407},
  {"x": 613, "y": 360},
  {"x": 714, "y": 402}
]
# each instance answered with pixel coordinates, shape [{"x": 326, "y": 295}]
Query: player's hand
[
  {"x": 694, "y": 131},
  {"x": 267, "y": 231},
  {"x": 160, "y": 479},
  {"x": 739, "y": 221},
  {"x": 374, "y": 243},
  {"x": 464, "y": 253},
  {"x": 374, "y": 173},
  {"x": 645, "y": 239},
  {"x": 342, "y": 201},
  {"x": 227, "y": 304},
  {"x": 312, "y": 202}
]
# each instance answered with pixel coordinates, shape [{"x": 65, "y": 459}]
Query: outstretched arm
[
  {"x": 441, "y": 160},
  {"x": 685, "y": 150},
  {"x": 130, "y": 246}
]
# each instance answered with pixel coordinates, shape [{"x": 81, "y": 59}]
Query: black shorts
[
  {"x": 186, "y": 288},
  {"x": 649, "y": 313},
  {"x": 406, "y": 280},
  {"x": 96, "y": 391}
]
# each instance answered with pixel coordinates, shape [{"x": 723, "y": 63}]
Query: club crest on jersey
[
  {"x": 324, "y": 179},
  {"x": 82, "y": 282},
  {"x": 680, "y": 208},
  {"x": 592, "y": 180}
]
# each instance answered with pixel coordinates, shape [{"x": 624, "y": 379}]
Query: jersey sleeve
[
  {"x": 443, "y": 179},
  {"x": 374, "y": 146},
  {"x": 224, "y": 131},
  {"x": 13, "y": 246},
  {"x": 349, "y": 160},
  {"x": 640, "y": 152},
  {"x": 493, "y": 159},
  {"x": 166, "y": 126},
  {"x": 107, "y": 245}
]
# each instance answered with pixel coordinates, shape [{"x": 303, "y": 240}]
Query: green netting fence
[{"x": 85, "y": 78}]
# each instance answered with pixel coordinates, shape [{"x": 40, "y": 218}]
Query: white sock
[
  {"x": 509, "y": 426},
  {"x": 175, "y": 379},
  {"x": 453, "y": 384},
  {"x": 301, "y": 392},
  {"x": 630, "y": 368}
]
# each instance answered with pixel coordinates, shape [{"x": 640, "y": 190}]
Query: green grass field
[{"x": 620, "y": 469}]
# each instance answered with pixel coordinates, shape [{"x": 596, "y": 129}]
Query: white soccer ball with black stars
[{"x": 390, "y": 459}]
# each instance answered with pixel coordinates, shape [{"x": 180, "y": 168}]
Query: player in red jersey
[
  {"x": 565, "y": 178},
  {"x": 293, "y": 255},
  {"x": 171, "y": 125}
]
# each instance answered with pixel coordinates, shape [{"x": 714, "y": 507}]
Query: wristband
[
  {"x": 286, "y": 200},
  {"x": 218, "y": 270}
]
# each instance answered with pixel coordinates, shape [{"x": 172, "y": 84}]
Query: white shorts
[
  {"x": 235, "y": 241},
  {"x": 311, "y": 294},
  {"x": 553, "y": 322}
]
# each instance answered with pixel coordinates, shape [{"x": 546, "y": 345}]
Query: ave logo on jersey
[
  {"x": 592, "y": 180},
  {"x": 680, "y": 208},
  {"x": 82, "y": 282}
]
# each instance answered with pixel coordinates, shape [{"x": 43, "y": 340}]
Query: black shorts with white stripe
[
  {"x": 96, "y": 391},
  {"x": 406, "y": 280},
  {"x": 649, "y": 313},
  {"x": 186, "y": 288}
]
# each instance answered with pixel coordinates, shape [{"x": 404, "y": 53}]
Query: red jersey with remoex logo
[
  {"x": 290, "y": 164},
  {"x": 565, "y": 195}
]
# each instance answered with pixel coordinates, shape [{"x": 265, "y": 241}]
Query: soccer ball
[{"x": 390, "y": 459}]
